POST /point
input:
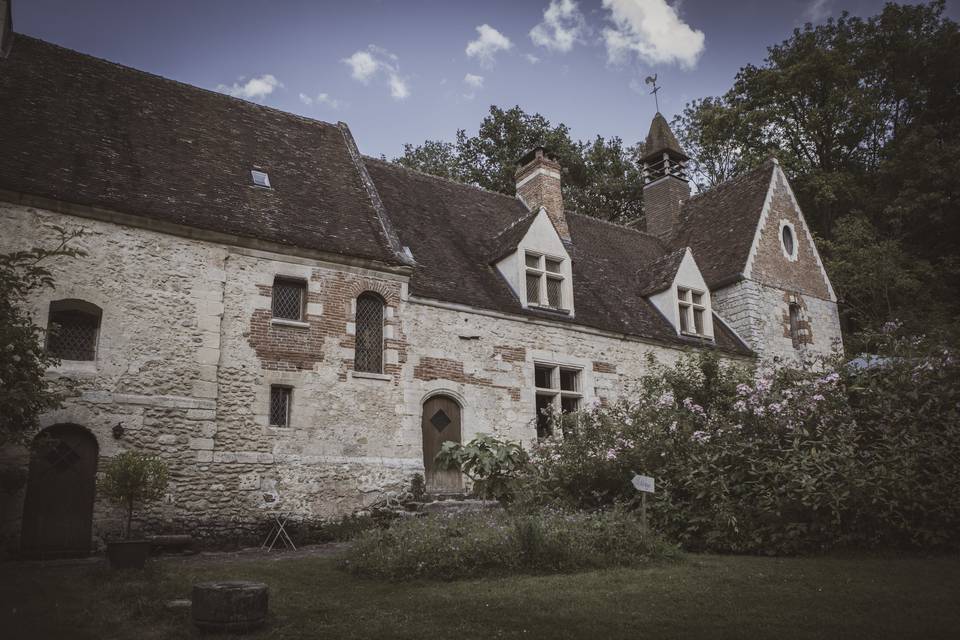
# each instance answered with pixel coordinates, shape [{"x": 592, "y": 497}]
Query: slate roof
[
  {"x": 454, "y": 229},
  {"x": 659, "y": 274},
  {"x": 719, "y": 225},
  {"x": 660, "y": 138},
  {"x": 90, "y": 132}
]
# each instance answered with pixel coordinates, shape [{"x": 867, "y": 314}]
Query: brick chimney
[
  {"x": 538, "y": 185},
  {"x": 6, "y": 28},
  {"x": 665, "y": 186}
]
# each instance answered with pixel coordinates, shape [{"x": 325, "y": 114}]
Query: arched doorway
[
  {"x": 440, "y": 423},
  {"x": 58, "y": 510}
]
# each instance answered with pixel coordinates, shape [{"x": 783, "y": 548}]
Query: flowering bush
[
  {"x": 800, "y": 461},
  {"x": 493, "y": 465},
  {"x": 497, "y": 542}
]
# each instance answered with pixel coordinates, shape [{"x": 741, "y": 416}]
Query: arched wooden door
[
  {"x": 58, "y": 511},
  {"x": 440, "y": 423}
]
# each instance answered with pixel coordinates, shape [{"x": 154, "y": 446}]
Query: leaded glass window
[
  {"x": 368, "y": 355},
  {"x": 280, "y": 406},
  {"x": 73, "y": 330},
  {"x": 544, "y": 281},
  {"x": 288, "y": 299}
]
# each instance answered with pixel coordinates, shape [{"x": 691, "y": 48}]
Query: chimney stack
[
  {"x": 665, "y": 186},
  {"x": 6, "y": 28},
  {"x": 538, "y": 185}
]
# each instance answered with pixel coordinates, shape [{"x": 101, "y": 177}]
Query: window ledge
[
  {"x": 385, "y": 377},
  {"x": 290, "y": 323},
  {"x": 698, "y": 336},
  {"x": 74, "y": 366}
]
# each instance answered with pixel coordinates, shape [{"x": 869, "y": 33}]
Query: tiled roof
[
  {"x": 719, "y": 225},
  {"x": 660, "y": 273},
  {"x": 660, "y": 138},
  {"x": 87, "y": 131},
  {"x": 453, "y": 230}
]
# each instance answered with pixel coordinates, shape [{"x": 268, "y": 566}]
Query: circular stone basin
[{"x": 233, "y": 605}]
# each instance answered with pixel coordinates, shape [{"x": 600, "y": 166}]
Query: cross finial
[{"x": 652, "y": 80}]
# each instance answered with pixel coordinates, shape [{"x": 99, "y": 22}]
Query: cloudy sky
[{"x": 406, "y": 70}]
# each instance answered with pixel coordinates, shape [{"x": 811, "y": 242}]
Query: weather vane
[{"x": 653, "y": 80}]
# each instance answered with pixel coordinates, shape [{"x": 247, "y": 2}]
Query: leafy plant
[
  {"x": 493, "y": 465},
  {"x": 132, "y": 477}
]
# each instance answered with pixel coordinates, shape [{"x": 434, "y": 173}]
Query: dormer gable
[
  {"x": 537, "y": 266},
  {"x": 676, "y": 287}
]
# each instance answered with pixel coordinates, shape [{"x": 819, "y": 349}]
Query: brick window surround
[{"x": 289, "y": 299}]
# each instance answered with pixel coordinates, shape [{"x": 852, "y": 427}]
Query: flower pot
[{"x": 128, "y": 554}]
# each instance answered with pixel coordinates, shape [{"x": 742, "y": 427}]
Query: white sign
[{"x": 643, "y": 483}]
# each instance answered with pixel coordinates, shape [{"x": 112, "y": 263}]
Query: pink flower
[{"x": 611, "y": 454}]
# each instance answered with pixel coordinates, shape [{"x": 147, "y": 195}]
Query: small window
[
  {"x": 280, "y": 406},
  {"x": 368, "y": 353},
  {"x": 73, "y": 330},
  {"x": 544, "y": 282},
  {"x": 795, "y": 324},
  {"x": 288, "y": 299},
  {"x": 788, "y": 240},
  {"x": 557, "y": 388},
  {"x": 260, "y": 178},
  {"x": 691, "y": 311}
]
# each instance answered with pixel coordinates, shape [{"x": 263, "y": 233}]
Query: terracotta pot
[{"x": 128, "y": 554}]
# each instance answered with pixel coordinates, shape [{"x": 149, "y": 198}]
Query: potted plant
[{"x": 132, "y": 478}]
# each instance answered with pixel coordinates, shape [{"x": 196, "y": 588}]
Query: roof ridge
[
  {"x": 770, "y": 161},
  {"x": 391, "y": 163},
  {"x": 618, "y": 225},
  {"x": 224, "y": 96}
]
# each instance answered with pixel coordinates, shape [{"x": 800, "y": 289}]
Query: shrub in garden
[
  {"x": 800, "y": 461},
  {"x": 496, "y": 542},
  {"x": 492, "y": 464},
  {"x": 131, "y": 478}
]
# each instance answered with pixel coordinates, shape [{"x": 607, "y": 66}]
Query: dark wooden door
[
  {"x": 58, "y": 511},
  {"x": 440, "y": 423}
]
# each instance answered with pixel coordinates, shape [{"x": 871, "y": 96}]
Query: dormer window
[
  {"x": 691, "y": 310},
  {"x": 544, "y": 281}
]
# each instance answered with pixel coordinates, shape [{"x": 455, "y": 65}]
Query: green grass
[{"x": 699, "y": 597}]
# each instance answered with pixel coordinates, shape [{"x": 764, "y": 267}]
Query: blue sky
[{"x": 406, "y": 70}]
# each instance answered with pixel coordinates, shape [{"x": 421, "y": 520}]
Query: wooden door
[
  {"x": 440, "y": 423},
  {"x": 58, "y": 510}
]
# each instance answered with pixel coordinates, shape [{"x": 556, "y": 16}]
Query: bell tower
[{"x": 665, "y": 185}]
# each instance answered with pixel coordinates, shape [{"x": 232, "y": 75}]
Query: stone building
[{"x": 295, "y": 327}]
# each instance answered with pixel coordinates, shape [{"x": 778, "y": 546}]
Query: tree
[
  {"x": 864, "y": 116},
  {"x": 600, "y": 177},
  {"x": 132, "y": 477},
  {"x": 24, "y": 391}
]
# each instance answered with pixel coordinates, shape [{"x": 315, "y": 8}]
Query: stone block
[{"x": 201, "y": 443}]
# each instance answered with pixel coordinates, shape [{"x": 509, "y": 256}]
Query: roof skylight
[{"x": 260, "y": 178}]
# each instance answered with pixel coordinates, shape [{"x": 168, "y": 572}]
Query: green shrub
[
  {"x": 492, "y": 464},
  {"x": 802, "y": 461},
  {"x": 132, "y": 477},
  {"x": 496, "y": 542}
]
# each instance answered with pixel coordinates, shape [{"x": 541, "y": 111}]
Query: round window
[{"x": 788, "y": 245}]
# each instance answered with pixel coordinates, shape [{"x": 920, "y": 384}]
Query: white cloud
[
  {"x": 362, "y": 65},
  {"x": 398, "y": 88},
  {"x": 652, "y": 30},
  {"x": 378, "y": 62},
  {"x": 562, "y": 26},
  {"x": 253, "y": 89},
  {"x": 488, "y": 43},
  {"x": 321, "y": 98},
  {"x": 532, "y": 59},
  {"x": 473, "y": 81},
  {"x": 817, "y": 10}
]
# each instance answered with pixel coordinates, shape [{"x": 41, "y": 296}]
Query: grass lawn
[{"x": 699, "y": 597}]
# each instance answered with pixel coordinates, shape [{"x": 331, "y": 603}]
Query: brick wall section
[
  {"x": 771, "y": 267},
  {"x": 662, "y": 201},
  {"x": 287, "y": 348},
  {"x": 430, "y": 368},
  {"x": 544, "y": 190},
  {"x": 604, "y": 367},
  {"x": 510, "y": 354}
]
